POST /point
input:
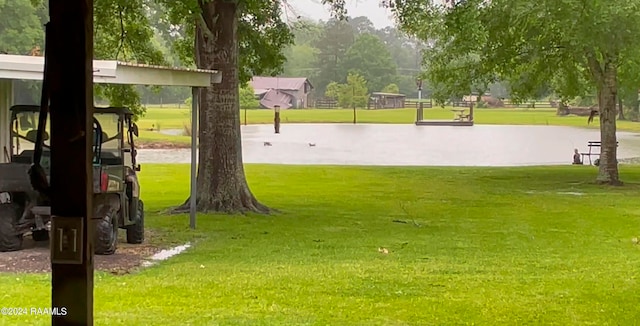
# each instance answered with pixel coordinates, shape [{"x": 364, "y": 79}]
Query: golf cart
[{"x": 116, "y": 191}]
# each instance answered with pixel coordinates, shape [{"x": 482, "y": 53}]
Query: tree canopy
[
  {"x": 326, "y": 52},
  {"x": 247, "y": 98},
  {"x": 21, "y": 26},
  {"x": 353, "y": 93},
  {"x": 391, "y": 88},
  {"x": 262, "y": 34},
  {"x": 122, "y": 31},
  {"x": 369, "y": 57},
  {"x": 572, "y": 46}
]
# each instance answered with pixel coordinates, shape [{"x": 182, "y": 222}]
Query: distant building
[{"x": 286, "y": 92}]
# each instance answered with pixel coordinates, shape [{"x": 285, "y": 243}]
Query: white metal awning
[{"x": 21, "y": 67}]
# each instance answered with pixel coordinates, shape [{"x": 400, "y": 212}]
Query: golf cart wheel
[
  {"x": 40, "y": 235},
  {"x": 106, "y": 233},
  {"x": 10, "y": 240},
  {"x": 135, "y": 233}
]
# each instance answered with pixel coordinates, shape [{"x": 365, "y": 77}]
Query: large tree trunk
[
  {"x": 607, "y": 92},
  {"x": 221, "y": 181}
]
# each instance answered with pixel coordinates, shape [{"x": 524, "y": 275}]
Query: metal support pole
[
  {"x": 194, "y": 150},
  {"x": 70, "y": 47},
  {"x": 6, "y": 94},
  {"x": 353, "y": 102}
]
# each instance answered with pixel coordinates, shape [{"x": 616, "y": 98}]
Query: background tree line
[
  {"x": 327, "y": 52},
  {"x": 324, "y": 52}
]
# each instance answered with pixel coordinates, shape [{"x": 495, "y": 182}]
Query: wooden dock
[
  {"x": 464, "y": 123},
  {"x": 459, "y": 118}
]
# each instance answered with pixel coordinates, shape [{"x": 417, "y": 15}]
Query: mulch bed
[
  {"x": 35, "y": 258},
  {"x": 161, "y": 145}
]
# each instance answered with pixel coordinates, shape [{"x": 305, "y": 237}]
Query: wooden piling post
[{"x": 71, "y": 110}]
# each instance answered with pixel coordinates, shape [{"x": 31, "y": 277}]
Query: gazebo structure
[{"x": 379, "y": 100}]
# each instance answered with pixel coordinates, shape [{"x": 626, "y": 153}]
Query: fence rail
[
  {"x": 509, "y": 104},
  {"x": 325, "y": 103},
  {"x": 461, "y": 104},
  {"x": 529, "y": 105},
  {"x": 329, "y": 103},
  {"x": 416, "y": 104}
]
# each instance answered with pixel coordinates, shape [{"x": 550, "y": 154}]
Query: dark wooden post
[
  {"x": 354, "y": 114},
  {"x": 471, "y": 111},
  {"x": 71, "y": 80},
  {"x": 276, "y": 118}
]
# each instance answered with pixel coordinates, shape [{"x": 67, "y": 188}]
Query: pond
[{"x": 406, "y": 145}]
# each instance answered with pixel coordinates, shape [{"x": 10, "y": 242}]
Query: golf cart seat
[
  {"x": 32, "y": 135},
  {"x": 107, "y": 157}
]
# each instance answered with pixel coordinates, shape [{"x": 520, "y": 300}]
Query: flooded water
[
  {"x": 173, "y": 132},
  {"x": 383, "y": 144}
]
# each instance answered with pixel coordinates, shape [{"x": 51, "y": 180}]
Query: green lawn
[
  {"x": 483, "y": 246},
  {"x": 173, "y": 118}
]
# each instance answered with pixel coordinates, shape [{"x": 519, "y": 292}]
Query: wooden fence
[
  {"x": 529, "y": 105},
  {"x": 329, "y": 103},
  {"x": 461, "y": 104},
  {"x": 414, "y": 104},
  {"x": 325, "y": 103},
  {"x": 508, "y": 104}
]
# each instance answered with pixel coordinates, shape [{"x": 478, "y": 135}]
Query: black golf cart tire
[
  {"x": 135, "y": 232},
  {"x": 9, "y": 240},
  {"x": 106, "y": 235},
  {"x": 40, "y": 235}
]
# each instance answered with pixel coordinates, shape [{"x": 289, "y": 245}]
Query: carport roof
[{"x": 21, "y": 67}]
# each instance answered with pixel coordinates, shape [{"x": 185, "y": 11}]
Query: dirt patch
[
  {"x": 35, "y": 258},
  {"x": 160, "y": 145}
]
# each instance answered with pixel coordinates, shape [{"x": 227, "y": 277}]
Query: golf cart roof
[{"x": 36, "y": 108}]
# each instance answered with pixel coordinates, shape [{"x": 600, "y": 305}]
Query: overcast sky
[{"x": 380, "y": 17}]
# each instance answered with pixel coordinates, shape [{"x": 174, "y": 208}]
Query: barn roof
[
  {"x": 282, "y": 83},
  {"x": 273, "y": 98}
]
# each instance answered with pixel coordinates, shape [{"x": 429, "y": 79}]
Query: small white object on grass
[
  {"x": 572, "y": 193},
  {"x": 165, "y": 254}
]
